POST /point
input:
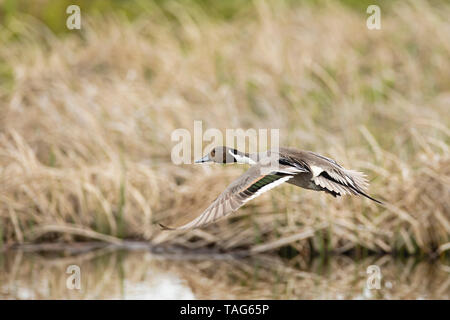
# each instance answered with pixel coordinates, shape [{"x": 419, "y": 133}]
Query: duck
[{"x": 304, "y": 169}]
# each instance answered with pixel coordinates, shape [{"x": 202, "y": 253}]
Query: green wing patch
[{"x": 265, "y": 180}]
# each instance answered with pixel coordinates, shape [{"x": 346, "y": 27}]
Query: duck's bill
[{"x": 204, "y": 159}]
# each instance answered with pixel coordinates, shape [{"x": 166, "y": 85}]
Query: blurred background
[{"x": 86, "y": 118}]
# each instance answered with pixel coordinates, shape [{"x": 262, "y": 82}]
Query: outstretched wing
[
  {"x": 247, "y": 187},
  {"x": 329, "y": 175}
]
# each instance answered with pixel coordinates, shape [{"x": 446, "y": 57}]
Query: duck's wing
[
  {"x": 248, "y": 186},
  {"x": 329, "y": 175}
]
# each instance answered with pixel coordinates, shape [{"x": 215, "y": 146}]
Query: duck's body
[{"x": 304, "y": 169}]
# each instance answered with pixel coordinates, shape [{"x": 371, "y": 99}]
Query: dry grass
[{"x": 86, "y": 121}]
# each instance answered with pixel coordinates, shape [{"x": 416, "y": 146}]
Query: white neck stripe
[{"x": 242, "y": 159}]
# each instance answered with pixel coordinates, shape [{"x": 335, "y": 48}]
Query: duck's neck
[
  {"x": 244, "y": 158},
  {"x": 253, "y": 158}
]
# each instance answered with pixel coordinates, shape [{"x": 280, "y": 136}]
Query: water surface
[{"x": 108, "y": 273}]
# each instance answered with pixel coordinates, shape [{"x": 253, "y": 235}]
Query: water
[{"x": 108, "y": 273}]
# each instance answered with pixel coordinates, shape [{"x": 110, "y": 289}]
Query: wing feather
[
  {"x": 245, "y": 188},
  {"x": 328, "y": 174}
]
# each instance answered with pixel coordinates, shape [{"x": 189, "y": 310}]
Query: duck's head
[{"x": 224, "y": 154}]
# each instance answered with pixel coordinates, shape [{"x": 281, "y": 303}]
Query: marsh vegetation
[{"x": 86, "y": 119}]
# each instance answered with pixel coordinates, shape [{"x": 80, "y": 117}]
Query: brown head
[{"x": 224, "y": 154}]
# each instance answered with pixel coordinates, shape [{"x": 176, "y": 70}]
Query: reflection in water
[{"x": 117, "y": 274}]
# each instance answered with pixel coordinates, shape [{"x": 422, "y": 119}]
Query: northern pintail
[{"x": 304, "y": 169}]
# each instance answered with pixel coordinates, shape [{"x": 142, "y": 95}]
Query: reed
[{"x": 86, "y": 120}]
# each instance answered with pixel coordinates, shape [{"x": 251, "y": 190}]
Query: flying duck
[{"x": 304, "y": 169}]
